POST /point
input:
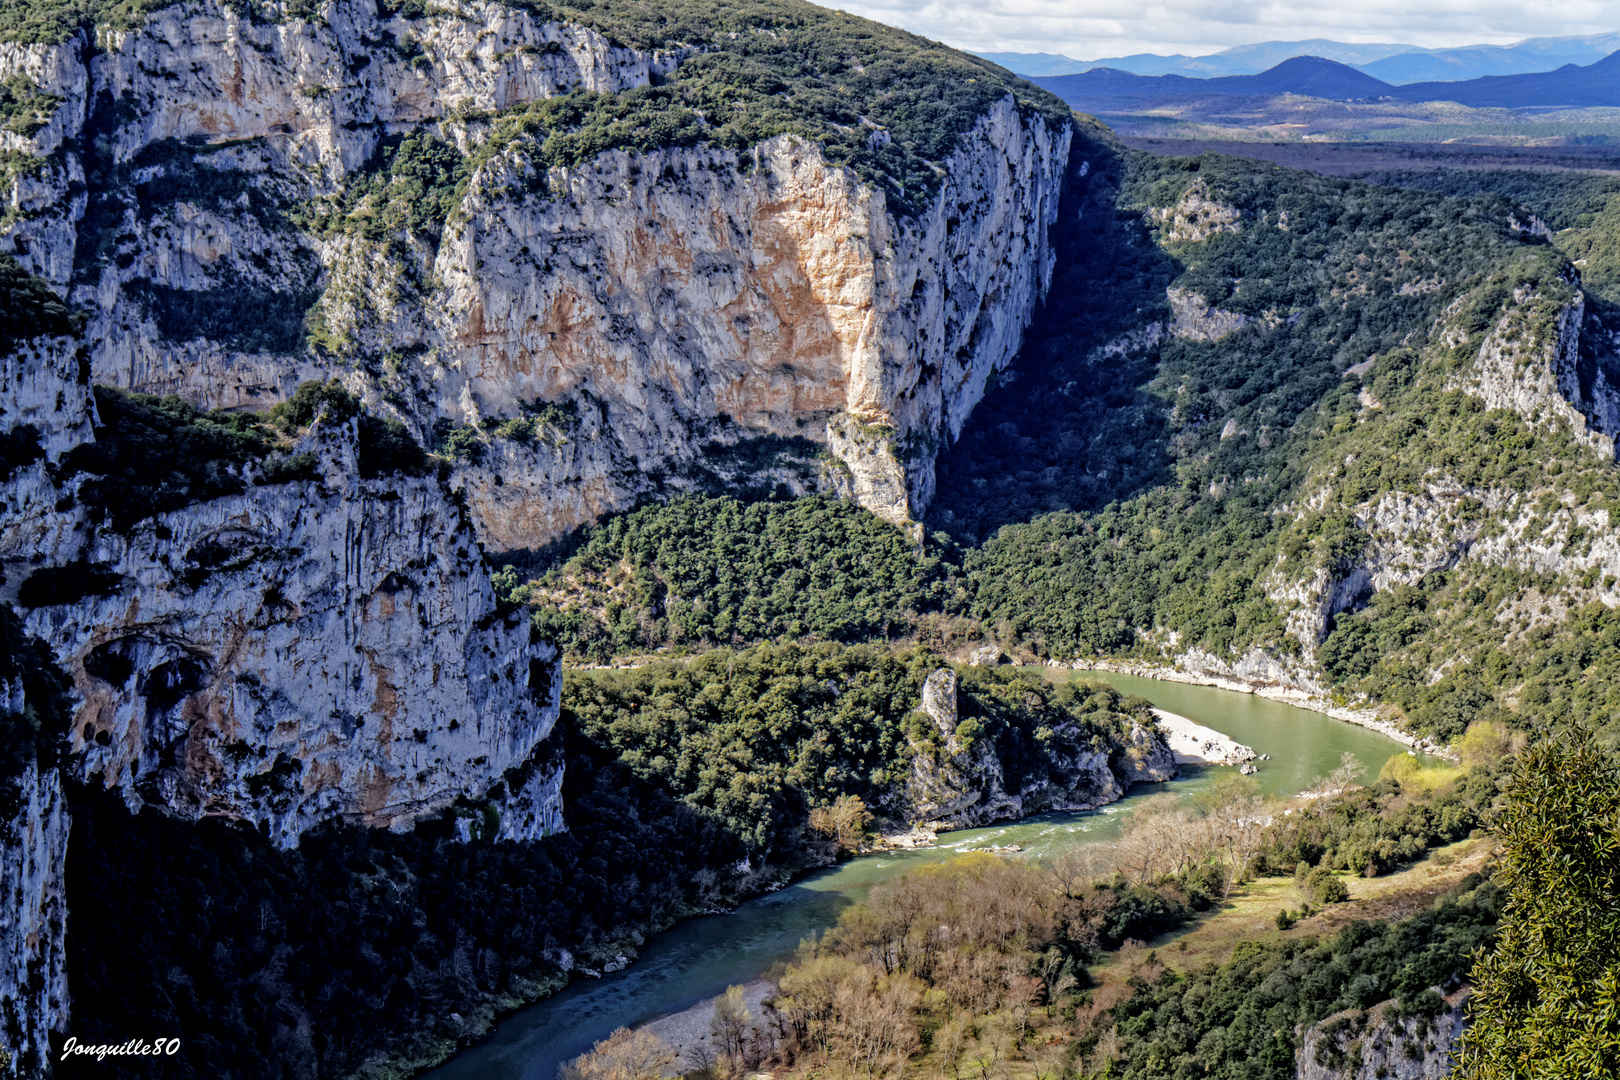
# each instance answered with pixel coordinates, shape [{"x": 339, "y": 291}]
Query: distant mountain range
[
  {"x": 1391, "y": 63},
  {"x": 1571, "y": 86}
]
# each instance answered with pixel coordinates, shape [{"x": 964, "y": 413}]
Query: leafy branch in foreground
[{"x": 1547, "y": 1000}]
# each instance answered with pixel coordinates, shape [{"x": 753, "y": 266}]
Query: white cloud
[{"x": 1088, "y": 29}]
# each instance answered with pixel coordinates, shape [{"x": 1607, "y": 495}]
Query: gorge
[{"x": 478, "y": 484}]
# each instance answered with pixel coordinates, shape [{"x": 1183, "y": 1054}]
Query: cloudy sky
[{"x": 1089, "y": 29}]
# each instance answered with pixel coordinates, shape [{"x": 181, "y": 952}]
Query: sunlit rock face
[{"x": 679, "y": 302}]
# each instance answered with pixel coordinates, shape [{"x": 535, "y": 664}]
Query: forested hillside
[
  {"x": 1356, "y": 435},
  {"x": 708, "y": 319},
  {"x": 1253, "y": 415}
]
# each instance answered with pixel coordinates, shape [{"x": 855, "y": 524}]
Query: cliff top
[{"x": 883, "y": 101}]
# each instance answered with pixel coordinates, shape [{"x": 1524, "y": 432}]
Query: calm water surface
[{"x": 701, "y": 957}]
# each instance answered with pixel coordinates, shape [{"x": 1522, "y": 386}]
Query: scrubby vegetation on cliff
[
  {"x": 1242, "y": 425},
  {"x": 29, "y": 309},
  {"x": 884, "y": 102},
  {"x": 35, "y": 734},
  {"x": 152, "y": 455}
]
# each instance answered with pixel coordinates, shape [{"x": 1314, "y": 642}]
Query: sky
[{"x": 1092, "y": 29}]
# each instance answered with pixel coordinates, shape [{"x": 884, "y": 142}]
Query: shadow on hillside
[{"x": 1068, "y": 428}]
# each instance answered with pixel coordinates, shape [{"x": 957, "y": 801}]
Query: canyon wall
[
  {"x": 329, "y": 648},
  {"x": 1529, "y": 363},
  {"x": 680, "y": 305},
  {"x": 33, "y": 917},
  {"x": 326, "y": 647}
]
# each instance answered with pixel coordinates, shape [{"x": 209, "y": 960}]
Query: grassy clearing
[{"x": 1250, "y": 914}]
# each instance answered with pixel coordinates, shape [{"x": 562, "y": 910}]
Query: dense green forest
[
  {"x": 1238, "y": 1020},
  {"x": 758, "y": 737},
  {"x": 1109, "y": 501},
  {"x": 1580, "y": 210},
  {"x": 715, "y": 569}
]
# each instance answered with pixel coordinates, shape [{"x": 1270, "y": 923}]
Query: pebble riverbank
[{"x": 1288, "y": 695}]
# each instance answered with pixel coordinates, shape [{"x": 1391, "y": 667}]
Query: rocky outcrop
[
  {"x": 955, "y": 783},
  {"x": 1381, "y": 1043},
  {"x": 285, "y": 657},
  {"x": 33, "y": 914},
  {"x": 681, "y": 301},
  {"x": 958, "y": 782},
  {"x": 1531, "y": 363},
  {"x": 1197, "y": 215},
  {"x": 1192, "y": 318}
]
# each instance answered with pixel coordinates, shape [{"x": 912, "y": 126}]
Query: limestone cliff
[
  {"x": 678, "y": 301},
  {"x": 1382, "y": 1044},
  {"x": 1530, "y": 362},
  {"x": 33, "y": 921},
  {"x": 958, "y": 782},
  {"x": 295, "y": 652},
  {"x": 34, "y": 828}
]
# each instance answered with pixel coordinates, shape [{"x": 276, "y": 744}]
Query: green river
[{"x": 701, "y": 957}]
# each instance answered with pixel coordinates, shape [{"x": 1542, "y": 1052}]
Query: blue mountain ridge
[
  {"x": 1571, "y": 86},
  {"x": 1397, "y": 64}
]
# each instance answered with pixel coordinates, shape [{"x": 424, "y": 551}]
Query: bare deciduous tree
[
  {"x": 844, "y": 822},
  {"x": 623, "y": 1055}
]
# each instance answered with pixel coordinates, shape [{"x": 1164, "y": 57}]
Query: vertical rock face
[
  {"x": 33, "y": 852},
  {"x": 330, "y": 647},
  {"x": 43, "y": 401},
  {"x": 315, "y": 95},
  {"x": 678, "y": 300},
  {"x": 286, "y": 656},
  {"x": 1381, "y": 1044},
  {"x": 702, "y": 295},
  {"x": 1531, "y": 363},
  {"x": 33, "y": 913}
]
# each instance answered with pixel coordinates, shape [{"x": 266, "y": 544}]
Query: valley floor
[
  {"x": 1356, "y": 158},
  {"x": 1250, "y": 914}
]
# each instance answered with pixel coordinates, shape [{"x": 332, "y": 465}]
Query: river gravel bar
[{"x": 1194, "y": 744}]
